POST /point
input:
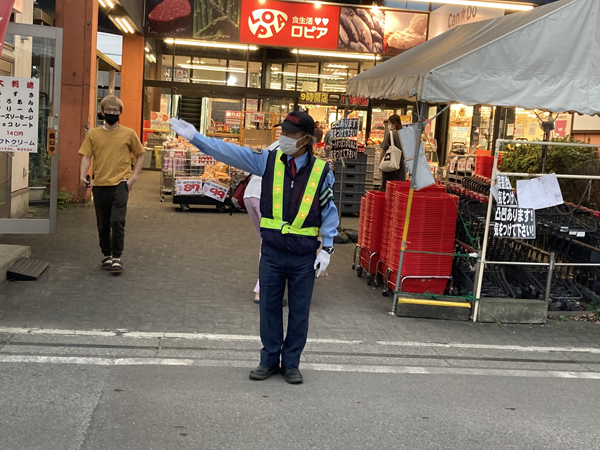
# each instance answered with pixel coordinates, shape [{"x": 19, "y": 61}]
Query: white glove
[
  {"x": 322, "y": 262},
  {"x": 183, "y": 128}
]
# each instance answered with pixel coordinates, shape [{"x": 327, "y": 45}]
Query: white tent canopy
[{"x": 547, "y": 58}]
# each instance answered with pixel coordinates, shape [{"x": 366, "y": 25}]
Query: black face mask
[{"x": 111, "y": 119}]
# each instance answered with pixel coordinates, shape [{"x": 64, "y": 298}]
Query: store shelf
[
  {"x": 223, "y": 135},
  {"x": 150, "y": 130}
]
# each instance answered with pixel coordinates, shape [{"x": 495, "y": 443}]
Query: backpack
[{"x": 237, "y": 199}]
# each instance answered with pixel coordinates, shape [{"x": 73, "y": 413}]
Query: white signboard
[
  {"x": 450, "y": 16},
  {"x": 19, "y": 113}
]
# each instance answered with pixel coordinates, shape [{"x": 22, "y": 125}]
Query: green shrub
[{"x": 561, "y": 160}]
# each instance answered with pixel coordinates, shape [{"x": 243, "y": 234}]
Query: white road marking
[
  {"x": 406, "y": 370},
  {"x": 250, "y": 338},
  {"x": 515, "y": 348},
  {"x": 156, "y": 335}
]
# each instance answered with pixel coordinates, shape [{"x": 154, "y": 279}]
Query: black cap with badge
[{"x": 298, "y": 121}]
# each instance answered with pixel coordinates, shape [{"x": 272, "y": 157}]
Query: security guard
[{"x": 296, "y": 204}]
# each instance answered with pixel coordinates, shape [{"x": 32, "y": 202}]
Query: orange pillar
[
  {"x": 79, "y": 21},
  {"x": 132, "y": 79}
]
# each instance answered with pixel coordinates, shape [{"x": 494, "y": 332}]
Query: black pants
[
  {"x": 396, "y": 175},
  {"x": 278, "y": 267},
  {"x": 111, "y": 207}
]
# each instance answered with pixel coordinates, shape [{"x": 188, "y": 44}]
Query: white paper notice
[
  {"x": 19, "y": 110},
  {"x": 539, "y": 193}
]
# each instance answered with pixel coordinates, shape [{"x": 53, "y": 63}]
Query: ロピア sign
[{"x": 301, "y": 25}]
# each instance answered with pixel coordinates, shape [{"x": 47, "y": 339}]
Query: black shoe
[
  {"x": 107, "y": 263},
  {"x": 117, "y": 266},
  {"x": 292, "y": 376},
  {"x": 262, "y": 372}
]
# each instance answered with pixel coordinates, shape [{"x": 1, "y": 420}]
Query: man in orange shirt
[{"x": 111, "y": 146}]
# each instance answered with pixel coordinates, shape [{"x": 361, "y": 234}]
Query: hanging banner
[
  {"x": 5, "y": 11},
  {"x": 19, "y": 113},
  {"x": 298, "y": 25}
]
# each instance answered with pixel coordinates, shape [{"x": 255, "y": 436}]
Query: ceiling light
[
  {"x": 102, "y": 3},
  {"x": 317, "y": 5},
  {"x": 127, "y": 24},
  {"x": 208, "y": 81},
  {"x": 147, "y": 50},
  {"x": 482, "y": 4},
  {"x": 212, "y": 68},
  {"x": 121, "y": 27},
  {"x": 366, "y": 56},
  {"x": 231, "y": 81},
  {"x": 109, "y": 3},
  {"x": 210, "y": 44}
]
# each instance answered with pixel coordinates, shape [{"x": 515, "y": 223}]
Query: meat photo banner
[{"x": 210, "y": 20}]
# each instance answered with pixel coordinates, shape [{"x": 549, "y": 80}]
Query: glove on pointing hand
[{"x": 183, "y": 128}]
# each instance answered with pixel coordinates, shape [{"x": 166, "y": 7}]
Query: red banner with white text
[{"x": 299, "y": 25}]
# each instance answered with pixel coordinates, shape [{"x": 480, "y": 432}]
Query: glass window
[
  {"x": 254, "y": 75},
  {"x": 335, "y": 75},
  {"x": 289, "y": 77},
  {"x": 274, "y": 76},
  {"x": 158, "y": 59}
]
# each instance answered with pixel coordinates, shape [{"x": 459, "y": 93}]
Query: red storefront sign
[
  {"x": 300, "y": 25},
  {"x": 362, "y": 101}
]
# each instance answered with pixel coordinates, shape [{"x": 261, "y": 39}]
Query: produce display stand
[{"x": 183, "y": 175}]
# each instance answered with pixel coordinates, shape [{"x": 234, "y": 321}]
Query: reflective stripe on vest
[{"x": 277, "y": 223}]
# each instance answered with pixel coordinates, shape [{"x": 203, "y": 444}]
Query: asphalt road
[{"x": 192, "y": 392}]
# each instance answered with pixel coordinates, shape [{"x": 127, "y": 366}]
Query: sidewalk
[{"x": 194, "y": 272}]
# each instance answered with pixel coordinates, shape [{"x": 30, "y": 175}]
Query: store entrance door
[{"x": 30, "y": 100}]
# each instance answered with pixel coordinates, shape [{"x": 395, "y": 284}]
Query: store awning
[{"x": 547, "y": 58}]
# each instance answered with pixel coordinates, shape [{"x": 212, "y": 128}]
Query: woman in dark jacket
[{"x": 394, "y": 125}]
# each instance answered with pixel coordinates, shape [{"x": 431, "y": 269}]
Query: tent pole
[
  {"x": 486, "y": 234},
  {"x": 413, "y": 183}
]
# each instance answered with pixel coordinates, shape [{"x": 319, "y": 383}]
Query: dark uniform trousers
[{"x": 276, "y": 268}]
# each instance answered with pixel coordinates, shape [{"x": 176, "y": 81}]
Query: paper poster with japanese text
[{"x": 19, "y": 111}]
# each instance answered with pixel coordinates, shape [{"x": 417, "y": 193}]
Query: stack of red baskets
[
  {"x": 431, "y": 229},
  {"x": 484, "y": 164},
  {"x": 371, "y": 227},
  {"x": 361, "y": 222}
]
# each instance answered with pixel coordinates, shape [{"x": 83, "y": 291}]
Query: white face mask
[{"x": 288, "y": 145}]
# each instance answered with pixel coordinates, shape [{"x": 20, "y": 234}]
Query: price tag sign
[
  {"x": 199, "y": 159},
  {"x": 216, "y": 190},
  {"x": 453, "y": 164},
  {"x": 462, "y": 165},
  {"x": 188, "y": 186}
]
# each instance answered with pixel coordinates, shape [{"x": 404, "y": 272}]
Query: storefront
[{"x": 279, "y": 57}]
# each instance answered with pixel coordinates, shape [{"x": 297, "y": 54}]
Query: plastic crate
[
  {"x": 350, "y": 188},
  {"x": 354, "y": 178},
  {"x": 348, "y": 197},
  {"x": 349, "y": 207}
]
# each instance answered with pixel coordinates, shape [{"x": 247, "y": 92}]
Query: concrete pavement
[{"x": 195, "y": 271}]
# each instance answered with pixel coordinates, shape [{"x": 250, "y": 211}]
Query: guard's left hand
[{"x": 322, "y": 262}]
